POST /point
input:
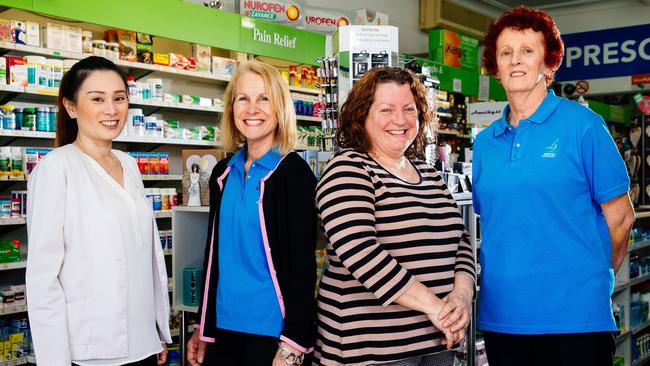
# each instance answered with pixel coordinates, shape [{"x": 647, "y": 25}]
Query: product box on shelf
[
  {"x": 16, "y": 71},
  {"x": 126, "y": 40},
  {"x": 53, "y": 36},
  {"x": 202, "y": 54},
  {"x": 73, "y": 39},
  {"x": 144, "y": 48},
  {"x": 223, "y": 66},
  {"x": 33, "y": 34},
  {"x": 161, "y": 59},
  {"x": 18, "y": 35},
  {"x": 5, "y": 30}
]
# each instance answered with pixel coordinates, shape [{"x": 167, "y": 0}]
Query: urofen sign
[{"x": 282, "y": 42}]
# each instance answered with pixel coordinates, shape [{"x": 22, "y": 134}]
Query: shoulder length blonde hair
[{"x": 278, "y": 93}]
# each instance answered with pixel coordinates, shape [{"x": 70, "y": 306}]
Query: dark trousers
[
  {"x": 241, "y": 349},
  {"x": 589, "y": 349}
]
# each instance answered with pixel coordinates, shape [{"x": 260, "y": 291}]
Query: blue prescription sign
[{"x": 605, "y": 53}]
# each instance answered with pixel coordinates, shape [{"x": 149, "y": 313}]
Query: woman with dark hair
[
  {"x": 552, "y": 192},
  {"x": 96, "y": 278},
  {"x": 400, "y": 279}
]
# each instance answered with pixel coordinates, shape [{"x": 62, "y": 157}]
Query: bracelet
[{"x": 289, "y": 357}]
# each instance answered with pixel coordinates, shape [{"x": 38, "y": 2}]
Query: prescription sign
[{"x": 605, "y": 53}]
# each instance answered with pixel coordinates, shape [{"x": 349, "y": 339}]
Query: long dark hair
[{"x": 66, "y": 126}]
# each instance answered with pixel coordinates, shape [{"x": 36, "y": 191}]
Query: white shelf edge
[
  {"x": 13, "y": 265},
  {"x": 157, "y": 177},
  {"x": 18, "y": 221},
  {"x": 305, "y": 147},
  {"x": 184, "y": 106},
  {"x": 638, "y": 245},
  {"x": 31, "y": 359},
  {"x": 14, "y": 310},
  {"x": 641, "y": 214},
  {"x": 162, "y": 214},
  {"x": 168, "y": 252},
  {"x": 638, "y": 280},
  {"x": 134, "y": 65},
  {"x": 308, "y": 118},
  {"x": 300, "y": 89},
  {"x": 187, "y": 309},
  {"x": 191, "y": 209},
  {"x": 121, "y": 138}
]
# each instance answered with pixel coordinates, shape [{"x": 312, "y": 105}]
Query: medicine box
[
  {"x": 18, "y": 32},
  {"x": 53, "y": 36},
  {"x": 33, "y": 34},
  {"x": 5, "y": 30},
  {"x": 73, "y": 39},
  {"x": 126, "y": 40},
  {"x": 202, "y": 54},
  {"x": 223, "y": 66}
]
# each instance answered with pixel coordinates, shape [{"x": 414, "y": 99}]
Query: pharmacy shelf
[
  {"x": 638, "y": 280},
  {"x": 463, "y": 196},
  {"x": 13, "y": 309},
  {"x": 121, "y": 138},
  {"x": 309, "y": 118},
  {"x": 645, "y": 360},
  {"x": 176, "y": 332},
  {"x": 191, "y": 208},
  {"x": 12, "y": 180},
  {"x": 642, "y": 214},
  {"x": 444, "y": 114},
  {"x": 622, "y": 337},
  {"x": 125, "y": 64},
  {"x": 620, "y": 287},
  {"x": 16, "y": 221},
  {"x": 638, "y": 245},
  {"x": 175, "y": 105},
  {"x": 16, "y": 361},
  {"x": 157, "y": 177},
  {"x": 640, "y": 327},
  {"x": 31, "y": 359},
  {"x": 168, "y": 252},
  {"x": 14, "y": 265},
  {"x": 186, "y": 308},
  {"x": 299, "y": 89},
  {"x": 162, "y": 214},
  {"x": 305, "y": 147},
  {"x": 452, "y": 133}
]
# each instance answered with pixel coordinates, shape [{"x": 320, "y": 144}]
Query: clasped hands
[{"x": 451, "y": 315}]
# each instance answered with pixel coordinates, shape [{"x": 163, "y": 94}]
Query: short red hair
[{"x": 522, "y": 18}]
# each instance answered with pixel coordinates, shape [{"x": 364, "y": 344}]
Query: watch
[{"x": 289, "y": 357}]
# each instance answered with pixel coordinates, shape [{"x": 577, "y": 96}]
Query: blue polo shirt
[
  {"x": 246, "y": 298},
  {"x": 545, "y": 249}
]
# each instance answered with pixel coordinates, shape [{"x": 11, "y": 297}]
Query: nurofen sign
[
  {"x": 605, "y": 53},
  {"x": 323, "y": 20},
  {"x": 284, "y": 12}
]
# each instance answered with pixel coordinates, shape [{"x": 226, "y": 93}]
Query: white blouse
[{"x": 96, "y": 277}]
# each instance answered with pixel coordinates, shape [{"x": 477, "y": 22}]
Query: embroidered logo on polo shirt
[{"x": 551, "y": 149}]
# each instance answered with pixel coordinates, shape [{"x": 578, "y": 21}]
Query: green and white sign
[{"x": 279, "y": 41}]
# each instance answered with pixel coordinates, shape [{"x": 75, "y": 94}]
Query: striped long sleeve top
[{"x": 383, "y": 234}]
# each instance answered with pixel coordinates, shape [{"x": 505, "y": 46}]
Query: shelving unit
[{"x": 15, "y": 221}]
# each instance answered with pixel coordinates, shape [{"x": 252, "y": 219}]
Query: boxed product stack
[{"x": 15, "y": 339}]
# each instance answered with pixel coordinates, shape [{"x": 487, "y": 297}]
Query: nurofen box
[{"x": 53, "y": 36}]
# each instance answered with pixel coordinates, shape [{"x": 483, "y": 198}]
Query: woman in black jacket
[{"x": 257, "y": 305}]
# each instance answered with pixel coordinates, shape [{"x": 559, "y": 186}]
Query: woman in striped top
[{"x": 401, "y": 275}]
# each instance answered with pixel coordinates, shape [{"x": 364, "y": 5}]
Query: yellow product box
[
  {"x": 6, "y": 345},
  {"x": 161, "y": 59}
]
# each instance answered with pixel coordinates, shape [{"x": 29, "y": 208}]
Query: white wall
[{"x": 608, "y": 14}]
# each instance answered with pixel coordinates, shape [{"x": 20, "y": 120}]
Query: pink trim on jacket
[
  {"x": 296, "y": 345},
  {"x": 209, "y": 269}
]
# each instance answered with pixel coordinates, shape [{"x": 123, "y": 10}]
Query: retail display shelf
[
  {"x": 620, "y": 287},
  {"x": 30, "y": 134},
  {"x": 126, "y": 64},
  {"x": 452, "y": 133},
  {"x": 17, "y": 361},
  {"x": 16, "y": 221},
  {"x": 638, "y": 245},
  {"x": 642, "y": 214},
  {"x": 31, "y": 359},
  {"x": 191, "y": 208},
  {"x": 644, "y": 360},
  {"x": 444, "y": 114},
  {"x": 14, "y": 265},
  {"x": 121, "y": 138},
  {"x": 623, "y": 336},
  {"x": 162, "y": 214},
  {"x": 640, "y": 327},
  {"x": 309, "y": 118},
  {"x": 305, "y": 147},
  {"x": 16, "y": 309},
  {"x": 300, "y": 89},
  {"x": 187, "y": 309},
  {"x": 638, "y": 280},
  {"x": 175, "y": 105},
  {"x": 463, "y": 196},
  {"x": 157, "y": 177},
  {"x": 176, "y": 332},
  {"x": 13, "y": 180},
  {"x": 168, "y": 252}
]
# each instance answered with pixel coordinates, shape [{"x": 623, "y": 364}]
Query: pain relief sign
[
  {"x": 605, "y": 53},
  {"x": 453, "y": 49}
]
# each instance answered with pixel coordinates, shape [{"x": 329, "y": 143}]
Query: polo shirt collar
[
  {"x": 268, "y": 161},
  {"x": 548, "y": 106}
]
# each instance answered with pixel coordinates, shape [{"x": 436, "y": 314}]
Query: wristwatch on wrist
[{"x": 289, "y": 357}]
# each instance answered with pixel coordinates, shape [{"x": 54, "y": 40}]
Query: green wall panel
[{"x": 173, "y": 19}]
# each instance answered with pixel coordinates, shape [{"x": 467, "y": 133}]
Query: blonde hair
[{"x": 281, "y": 101}]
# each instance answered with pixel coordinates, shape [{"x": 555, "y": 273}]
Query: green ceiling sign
[
  {"x": 611, "y": 113},
  {"x": 279, "y": 41}
]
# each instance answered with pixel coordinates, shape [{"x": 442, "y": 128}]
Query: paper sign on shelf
[{"x": 484, "y": 113}]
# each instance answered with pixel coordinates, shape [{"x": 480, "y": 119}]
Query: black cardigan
[{"x": 291, "y": 222}]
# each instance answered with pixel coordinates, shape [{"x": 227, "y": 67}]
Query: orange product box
[{"x": 126, "y": 40}]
